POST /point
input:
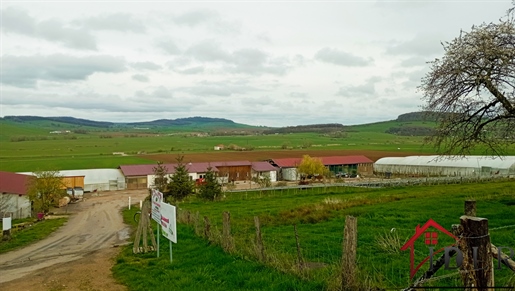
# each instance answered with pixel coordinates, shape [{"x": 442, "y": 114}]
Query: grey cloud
[
  {"x": 208, "y": 51},
  {"x": 247, "y": 61},
  {"x": 222, "y": 88},
  {"x": 414, "y": 62},
  {"x": 54, "y": 30},
  {"x": 298, "y": 95},
  {"x": 191, "y": 71},
  {"x": 420, "y": 45},
  {"x": 141, "y": 78},
  {"x": 256, "y": 62},
  {"x": 168, "y": 46},
  {"x": 19, "y": 21},
  {"x": 195, "y": 17},
  {"x": 153, "y": 101},
  {"x": 341, "y": 58},
  {"x": 146, "y": 66},
  {"x": 210, "y": 19},
  {"x": 25, "y": 71},
  {"x": 357, "y": 91},
  {"x": 118, "y": 22}
]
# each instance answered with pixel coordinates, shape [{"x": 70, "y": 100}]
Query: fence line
[{"x": 380, "y": 183}]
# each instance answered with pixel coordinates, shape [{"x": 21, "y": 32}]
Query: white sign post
[
  {"x": 6, "y": 223},
  {"x": 168, "y": 224},
  {"x": 157, "y": 200}
]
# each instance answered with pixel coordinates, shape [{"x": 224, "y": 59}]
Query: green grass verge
[
  {"x": 36, "y": 232},
  {"x": 197, "y": 265},
  {"x": 386, "y": 220}
]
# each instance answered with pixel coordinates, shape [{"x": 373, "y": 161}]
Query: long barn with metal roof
[{"x": 446, "y": 165}]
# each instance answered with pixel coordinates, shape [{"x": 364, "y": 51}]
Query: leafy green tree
[
  {"x": 45, "y": 189},
  {"x": 210, "y": 189},
  {"x": 160, "y": 177},
  {"x": 311, "y": 167},
  {"x": 471, "y": 90},
  {"x": 180, "y": 185}
]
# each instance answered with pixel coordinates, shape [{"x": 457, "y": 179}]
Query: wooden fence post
[
  {"x": 477, "y": 266},
  {"x": 207, "y": 228},
  {"x": 259, "y": 241},
  {"x": 227, "y": 239},
  {"x": 350, "y": 241},
  {"x": 299, "y": 254},
  {"x": 470, "y": 207}
]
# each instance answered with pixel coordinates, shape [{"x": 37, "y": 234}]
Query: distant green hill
[
  {"x": 409, "y": 124},
  {"x": 180, "y": 124}
]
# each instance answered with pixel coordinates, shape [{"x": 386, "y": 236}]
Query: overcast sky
[{"x": 260, "y": 63}]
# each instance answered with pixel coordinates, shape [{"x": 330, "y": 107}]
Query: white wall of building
[
  {"x": 271, "y": 174},
  {"x": 17, "y": 205},
  {"x": 446, "y": 166},
  {"x": 96, "y": 179},
  {"x": 290, "y": 174}
]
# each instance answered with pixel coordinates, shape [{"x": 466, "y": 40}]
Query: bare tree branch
[{"x": 471, "y": 90}]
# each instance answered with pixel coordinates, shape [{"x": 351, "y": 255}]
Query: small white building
[
  {"x": 446, "y": 165},
  {"x": 96, "y": 179},
  {"x": 14, "y": 200},
  {"x": 264, "y": 169}
]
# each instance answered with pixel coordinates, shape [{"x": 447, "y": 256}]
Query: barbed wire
[{"x": 502, "y": 227}]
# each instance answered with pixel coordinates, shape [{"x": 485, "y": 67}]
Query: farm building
[
  {"x": 336, "y": 164},
  {"x": 234, "y": 170},
  {"x": 142, "y": 176},
  {"x": 14, "y": 200},
  {"x": 446, "y": 166},
  {"x": 92, "y": 179},
  {"x": 264, "y": 169}
]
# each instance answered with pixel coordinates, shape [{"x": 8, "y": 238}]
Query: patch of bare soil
[
  {"x": 90, "y": 273},
  {"x": 79, "y": 255}
]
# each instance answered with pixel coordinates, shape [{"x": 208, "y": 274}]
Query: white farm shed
[
  {"x": 96, "y": 179},
  {"x": 446, "y": 165}
]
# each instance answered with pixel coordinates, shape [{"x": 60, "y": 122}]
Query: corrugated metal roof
[
  {"x": 137, "y": 170},
  {"x": 287, "y": 162},
  {"x": 263, "y": 167},
  {"x": 231, "y": 164},
  {"x": 345, "y": 160},
  {"x": 327, "y": 161},
  {"x": 13, "y": 183},
  {"x": 144, "y": 170}
]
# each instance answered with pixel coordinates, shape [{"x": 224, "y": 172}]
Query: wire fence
[{"x": 385, "y": 183}]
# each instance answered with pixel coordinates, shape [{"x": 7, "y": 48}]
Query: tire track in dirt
[{"x": 95, "y": 224}]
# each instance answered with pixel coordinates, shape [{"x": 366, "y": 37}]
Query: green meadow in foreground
[{"x": 386, "y": 220}]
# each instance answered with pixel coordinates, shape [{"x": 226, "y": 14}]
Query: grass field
[
  {"x": 384, "y": 215},
  {"x": 30, "y": 146}
]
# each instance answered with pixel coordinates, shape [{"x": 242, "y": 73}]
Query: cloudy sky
[{"x": 260, "y": 63}]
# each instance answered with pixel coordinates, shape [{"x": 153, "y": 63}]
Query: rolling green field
[
  {"x": 31, "y": 146},
  {"x": 386, "y": 220}
]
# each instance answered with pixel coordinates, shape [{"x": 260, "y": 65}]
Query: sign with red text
[
  {"x": 157, "y": 200},
  {"x": 168, "y": 222}
]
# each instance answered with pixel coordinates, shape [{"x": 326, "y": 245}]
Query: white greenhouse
[{"x": 446, "y": 166}]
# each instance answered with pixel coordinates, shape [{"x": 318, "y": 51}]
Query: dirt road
[{"x": 87, "y": 239}]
